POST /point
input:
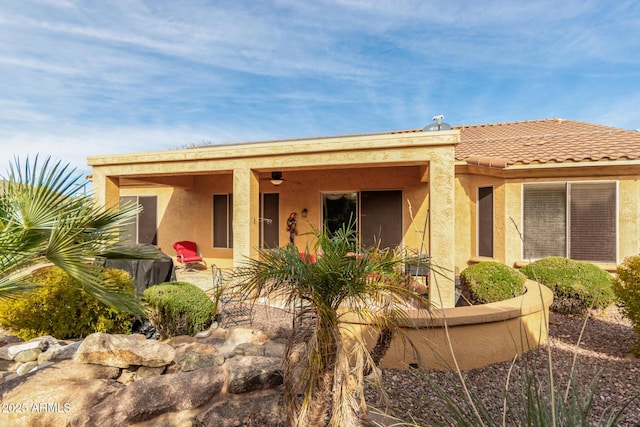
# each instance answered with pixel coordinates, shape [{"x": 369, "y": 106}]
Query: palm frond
[
  {"x": 344, "y": 280},
  {"x": 42, "y": 217}
]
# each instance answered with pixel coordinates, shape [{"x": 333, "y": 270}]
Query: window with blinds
[
  {"x": 222, "y": 221},
  {"x": 545, "y": 220},
  {"x": 593, "y": 222},
  {"x": 144, "y": 230},
  {"x": 574, "y": 220},
  {"x": 485, "y": 221}
]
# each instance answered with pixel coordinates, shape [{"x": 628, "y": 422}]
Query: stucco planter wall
[{"x": 479, "y": 335}]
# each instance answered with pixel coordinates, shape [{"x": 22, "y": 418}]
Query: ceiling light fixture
[{"x": 276, "y": 178}]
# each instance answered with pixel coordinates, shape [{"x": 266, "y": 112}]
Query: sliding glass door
[{"x": 378, "y": 215}]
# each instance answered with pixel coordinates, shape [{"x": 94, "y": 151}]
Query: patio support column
[
  {"x": 442, "y": 228},
  {"x": 106, "y": 190},
  {"x": 246, "y": 197}
]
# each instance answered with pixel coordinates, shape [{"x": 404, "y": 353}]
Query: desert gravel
[{"x": 604, "y": 350}]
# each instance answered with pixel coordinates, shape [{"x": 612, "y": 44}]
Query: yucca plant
[
  {"x": 323, "y": 376},
  {"x": 45, "y": 219}
]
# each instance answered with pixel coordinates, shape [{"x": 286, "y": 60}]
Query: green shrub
[
  {"x": 576, "y": 285},
  {"x": 178, "y": 308},
  {"x": 491, "y": 281},
  {"x": 627, "y": 288},
  {"x": 60, "y": 308}
]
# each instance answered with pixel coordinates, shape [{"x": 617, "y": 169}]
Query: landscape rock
[
  {"x": 197, "y": 356},
  {"x": 48, "y": 402},
  {"x": 237, "y": 336},
  {"x": 208, "y": 336},
  {"x": 179, "y": 340},
  {"x": 29, "y": 355},
  {"x": 215, "y": 338},
  {"x": 70, "y": 370},
  {"x": 251, "y": 373},
  {"x": 146, "y": 372},
  {"x": 125, "y": 380},
  {"x": 58, "y": 373},
  {"x": 9, "y": 339},
  {"x": 44, "y": 364},
  {"x": 13, "y": 350},
  {"x": 4, "y": 353},
  {"x": 248, "y": 349},
  {"x": 279, "y": 334},
  {"x": 245, "y": 335},
  {"x": 60, "y": 352},
  {"x": 274, "y": 349},
  {"x": 123, "y": 351},
  {"x": 9, "y": 381},
  {"x": 150, "y": 397},
  {"x": 127, "y": 376},
  {"x": 261, "y": 409},
  {"x": 7, "y": 365},
  {"x": 203, "y": 334},
  {"x": 26, "y": 367}
]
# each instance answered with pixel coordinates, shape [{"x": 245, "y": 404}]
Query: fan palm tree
[
  {"x": 44, "y": 218},
  {"x": 323, "y": 376}
]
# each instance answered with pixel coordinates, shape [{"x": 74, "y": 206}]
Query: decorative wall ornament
[{"x": 291, "y": 226}]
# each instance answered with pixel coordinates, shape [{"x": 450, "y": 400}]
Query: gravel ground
[{"x": 604, "y": 351}]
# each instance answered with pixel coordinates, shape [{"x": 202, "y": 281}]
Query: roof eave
[{"x": 503, "y": 164}]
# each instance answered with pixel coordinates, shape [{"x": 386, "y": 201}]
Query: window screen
[
  {"x": 545, "y": 220},
  {"x": 593, "y": 222}
]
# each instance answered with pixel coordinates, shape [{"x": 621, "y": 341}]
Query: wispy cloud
[{"x": 82, "y": 78}]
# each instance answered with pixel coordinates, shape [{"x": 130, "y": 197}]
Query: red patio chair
[{"x": 187, "y": 255}]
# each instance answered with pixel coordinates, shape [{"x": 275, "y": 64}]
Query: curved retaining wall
[{"x": 480, "y": 335}]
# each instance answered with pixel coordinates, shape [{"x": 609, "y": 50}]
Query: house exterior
[{"x": 510, "y": 192}]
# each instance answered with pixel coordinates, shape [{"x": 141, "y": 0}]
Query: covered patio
[{"x": 221, "y": 197}]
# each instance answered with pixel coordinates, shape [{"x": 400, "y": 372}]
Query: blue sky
[{"x": 81, "y": 78}]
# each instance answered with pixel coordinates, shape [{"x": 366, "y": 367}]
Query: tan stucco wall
[
  {"x": 629, "y": 219},
  {"x": 508, "y": 209},
  {"x": 476, "y": 336}
]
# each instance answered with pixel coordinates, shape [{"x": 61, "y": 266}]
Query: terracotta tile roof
[{"x": 544, "y": 141}]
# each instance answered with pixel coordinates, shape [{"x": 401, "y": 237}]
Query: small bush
[
  {"x": 627, "y": 288},
  {"x": 60, "y": 308},
  {"x": 178, "y": 308},
  {"x": 491, "y": 281},
  {"x": 576, "y": 285}
]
